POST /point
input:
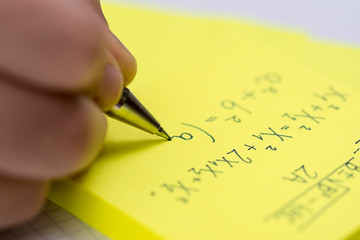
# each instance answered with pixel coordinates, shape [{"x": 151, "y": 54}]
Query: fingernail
[{"x": 110, "y": 87}]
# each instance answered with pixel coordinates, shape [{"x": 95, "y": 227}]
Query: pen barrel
[{"x": 130, "y": 111}]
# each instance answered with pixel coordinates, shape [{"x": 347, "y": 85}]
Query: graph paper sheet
[{"x": 53, "y": 223}]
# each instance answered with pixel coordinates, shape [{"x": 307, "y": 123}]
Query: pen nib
[{"x": 161, "y": 132}]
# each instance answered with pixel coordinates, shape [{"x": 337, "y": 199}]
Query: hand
[{"x": 60, "y": 67}]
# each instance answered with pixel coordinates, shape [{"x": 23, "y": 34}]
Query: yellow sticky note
[
  {"x": 168, "y": 39},
  {"x": 262, "y": 146},
  {"x": 340, "y": 62}
]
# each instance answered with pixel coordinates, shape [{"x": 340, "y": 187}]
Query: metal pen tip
[{"x": 161, "y": 133}]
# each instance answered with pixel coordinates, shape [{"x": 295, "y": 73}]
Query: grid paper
[{"x": 53, "y": 223}]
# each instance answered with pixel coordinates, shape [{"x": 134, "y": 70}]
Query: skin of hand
[{"x": 60, "y": 68}]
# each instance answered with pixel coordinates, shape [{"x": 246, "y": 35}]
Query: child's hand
[{"x": 60, "y": 67}]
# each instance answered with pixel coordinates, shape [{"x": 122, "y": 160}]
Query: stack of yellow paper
[{"x": 265, "y": 136}]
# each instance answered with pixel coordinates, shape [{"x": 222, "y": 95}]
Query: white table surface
[{"x": 329, "y": 20}]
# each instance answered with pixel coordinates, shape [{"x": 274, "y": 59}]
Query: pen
[{"x": 129, "y": 110}]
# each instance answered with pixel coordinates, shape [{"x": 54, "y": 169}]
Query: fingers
[
  {"x": 47, "y": 136},
  {"x": 61, "y": 46},
  {"x": 20, "y": 200},
  {"x": 124, "y": 58},
  {"x": 110, "y": 87},
  {"x": 96, "y": 5},
  {"x": 56, "y": 45}
]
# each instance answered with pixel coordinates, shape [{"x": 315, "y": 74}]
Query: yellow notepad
[
  {"x": 340, "y": 62},
  {"x": 263, "y": 147}
]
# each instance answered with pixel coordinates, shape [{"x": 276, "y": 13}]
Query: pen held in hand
[{"x": 130, "y": 111}]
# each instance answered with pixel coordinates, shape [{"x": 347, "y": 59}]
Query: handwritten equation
[
  {"x": 270, "y": 139},
  {"x": 267, "y": 85},
  {"x": 310, "y": 204}
]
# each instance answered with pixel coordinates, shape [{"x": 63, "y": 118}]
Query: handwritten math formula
[
  {"x": 311, "y": 203},
  {"x": 270, "y": 139}
]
